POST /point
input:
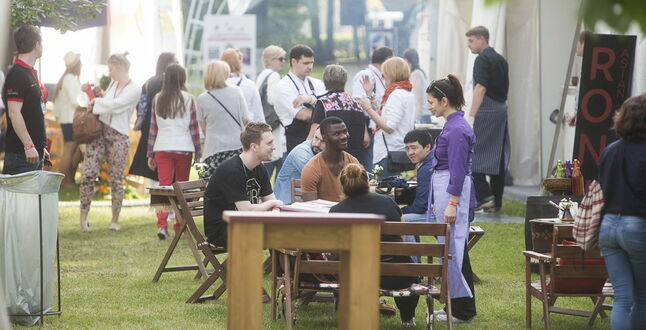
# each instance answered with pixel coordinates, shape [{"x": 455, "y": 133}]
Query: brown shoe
[{"x": 386, "y": 310}]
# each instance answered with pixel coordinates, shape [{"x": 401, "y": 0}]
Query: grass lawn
[{"x": 106, "y": 282}]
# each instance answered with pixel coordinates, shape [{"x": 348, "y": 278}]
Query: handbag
[
  {"x": 86, "y": 126},
  {"x": 398, "y": 161},
  {"x": 588, "y": 217}
]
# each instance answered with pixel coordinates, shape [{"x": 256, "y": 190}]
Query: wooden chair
[
  {"x": 434, "y": 271},
  {"x": 297, "y": 193},
  {"x": 190, "y": 196},
  {"x": 475, "y": 234},
  {"x": 560, "y": 270}
]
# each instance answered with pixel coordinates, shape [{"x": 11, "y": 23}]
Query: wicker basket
[{"x": 557, "y": 186}]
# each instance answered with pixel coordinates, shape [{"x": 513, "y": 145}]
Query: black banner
[{"x": 606, "y": 79}]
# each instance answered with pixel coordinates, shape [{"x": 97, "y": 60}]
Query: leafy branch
[{"x": 63, "y": 13}]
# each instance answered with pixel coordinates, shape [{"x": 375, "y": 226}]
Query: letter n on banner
[{"x": 606, "y": 78}]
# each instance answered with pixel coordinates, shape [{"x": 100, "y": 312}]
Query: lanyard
[
  {"x": 116, "y": 89},
  {"x": 378, "y": 75}
]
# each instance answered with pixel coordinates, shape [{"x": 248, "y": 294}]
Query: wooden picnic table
[{"x": 356, "y": 236}]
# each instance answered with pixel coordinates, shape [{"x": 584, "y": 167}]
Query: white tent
[{"x": 536, "y": 39}]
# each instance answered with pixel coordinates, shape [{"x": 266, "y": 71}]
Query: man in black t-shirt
[
  {"x": 240, "y": 183},
  {"x": 24, "y": 98}
]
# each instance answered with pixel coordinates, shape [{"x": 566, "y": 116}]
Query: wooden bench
[{"x": 435, "y": 285}]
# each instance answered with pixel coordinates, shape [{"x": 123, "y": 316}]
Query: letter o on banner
[{"x": 606, "y": 111}]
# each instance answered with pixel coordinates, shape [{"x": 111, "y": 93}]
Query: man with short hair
[
  {"x": 320, "y": 178},
  {"x": 24, "y": 97},
  {"x": 296, "y": 95},
  {"x": 489, "y": 117},
  {"x": 373, "y": 72},
  {"x": 418, "y": 146},
  {"x": 240, "y": 183},
  {"x": 293, "y": 166}
]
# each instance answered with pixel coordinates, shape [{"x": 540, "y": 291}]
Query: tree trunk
[
  {"x": 329, "y": 42},
  {"x": 316, "y": 27}
]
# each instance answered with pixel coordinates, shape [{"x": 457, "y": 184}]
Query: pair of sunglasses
[{"x": 282, "y": 58}]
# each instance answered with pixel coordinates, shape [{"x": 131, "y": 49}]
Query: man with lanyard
[
  {"x": 373, "y": 71},
  {"x": 24, "y": 97},
  {"x": 489, "y": 118},
  {"x": 296, "y": 95}
]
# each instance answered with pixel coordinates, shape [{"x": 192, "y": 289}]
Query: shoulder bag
[
  {"x": 225, "y": 109},
  {"x": 398, "y": 161},
  {"x": 588, "y": 217}
]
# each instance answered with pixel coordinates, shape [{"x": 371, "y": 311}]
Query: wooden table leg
[
  {"x": 244, "y": 304},
  {"x": 359, "y": 286}
]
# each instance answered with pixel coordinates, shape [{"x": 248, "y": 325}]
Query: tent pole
[{"x": 566, "y": 83}]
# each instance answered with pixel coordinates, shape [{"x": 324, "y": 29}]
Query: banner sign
[
  {"x": 606, "y": 79},
  {"x": 226, "y": 31}
]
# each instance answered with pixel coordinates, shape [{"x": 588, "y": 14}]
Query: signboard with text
[
  {"x": 606, "y": 79},
  {"x": 226, "y": 31}
]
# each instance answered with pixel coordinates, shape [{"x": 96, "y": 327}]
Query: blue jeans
[
  {"x": 414, "y": 217},
  {"x": 17, "y": 163},
  {"x": 622, "y": 240}
]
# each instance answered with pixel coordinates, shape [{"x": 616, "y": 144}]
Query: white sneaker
[
  {"x": 162, "y": 233},
  {"x": 443, "y": 318},
  {"x": 408, "y": 324}
]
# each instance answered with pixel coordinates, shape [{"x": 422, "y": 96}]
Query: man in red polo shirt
[{"x": 25, "y": 97}]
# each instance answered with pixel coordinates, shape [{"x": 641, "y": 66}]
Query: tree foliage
[
  {"x": 618, "y": 14},
  {"x": 64, "y": 14}
]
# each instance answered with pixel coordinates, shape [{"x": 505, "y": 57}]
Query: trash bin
[{"x": 28, "y": 237}]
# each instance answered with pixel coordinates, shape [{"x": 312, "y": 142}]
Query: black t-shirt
[
  {"x": 232, "y": 182},
  {"x": 375, "y": 204},
  {"x": 22, "y": 86},
  {"x": 491, "y": 71}
]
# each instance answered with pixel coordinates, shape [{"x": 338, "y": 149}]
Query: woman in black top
[
  {"x": 622, "y": 237},
  {"x": 354, "y": 180}
]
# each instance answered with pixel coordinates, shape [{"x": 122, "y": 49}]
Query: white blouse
[
  {"x": 399, "y": 114},
  {"x": 66, "y": 101},
  {"x": 115, "y": 107}
]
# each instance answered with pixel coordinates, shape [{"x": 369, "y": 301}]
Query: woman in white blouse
[
  {"x": 396, "y": 116},
  {"x": 233, "y": 58},
  {"x": 67, "y": 91},
  {"x": 114, "y": 110}
]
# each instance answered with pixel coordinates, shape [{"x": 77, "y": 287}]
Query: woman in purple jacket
[{"x": 452, "y": 191}]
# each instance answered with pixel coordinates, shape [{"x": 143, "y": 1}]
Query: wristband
[
  {"x": 31, "y": 146},
  {"x": 452, "y": 203}
]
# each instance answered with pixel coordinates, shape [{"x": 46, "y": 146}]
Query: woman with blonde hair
[
  {"x": 233, "y": 57},
  {"x": 396, "y": 115},
  {"x": 114, "y": 110},
  {"x": 67, "y": 91},
  {"x": 222, "y": 114},
  {"x": 273, "y": 59},
  {"x": 359, "y": 199},
  {"x": 174, "y": 135}
]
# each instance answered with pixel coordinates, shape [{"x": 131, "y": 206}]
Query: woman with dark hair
[
  {"x": 452, "y": 194},
  {"x": 139, "y": 164},
  {"x": 622, "y": 236},
  {"x": 420, "y": 82},
  {"x": 354, "y": 180},
  {"x": 67, "y": 91},
  {"x": 174, "y": 135}
]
